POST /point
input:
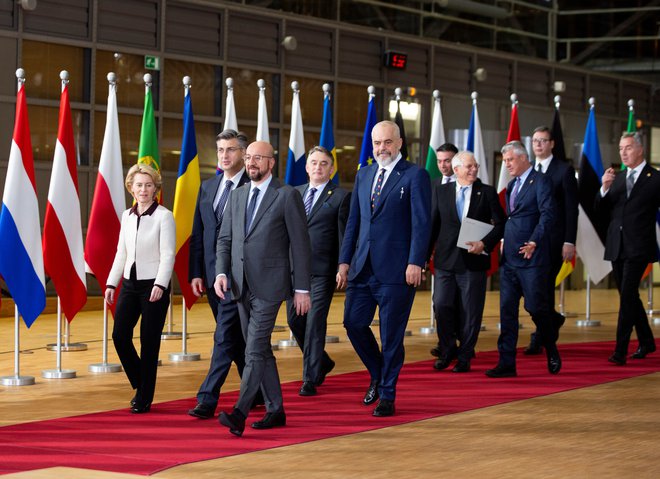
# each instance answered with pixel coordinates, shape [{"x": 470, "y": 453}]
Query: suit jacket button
[{"x": 620, "y": 228}]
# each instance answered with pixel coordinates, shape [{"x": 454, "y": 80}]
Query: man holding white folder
[{"x": 460, "y": 269}]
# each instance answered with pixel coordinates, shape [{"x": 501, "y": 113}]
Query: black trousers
[
  {"x": 628, "y": 274},
  {"x": 132, "y": 303}
]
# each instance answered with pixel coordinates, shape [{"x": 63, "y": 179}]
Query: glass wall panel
[
  {"x": 43, "y": 63},
  {"x": 170, "y": 149},
  {"x": 206, "y": 88},
  {"x": 246, "y": 94},
  {"x": 129, "y": 135},
  {"x": 311, "y": 100},
  {"x": 130, "y": 83}
]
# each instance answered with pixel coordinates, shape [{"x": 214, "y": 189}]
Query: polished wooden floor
[{"x": 606, "y": 431}]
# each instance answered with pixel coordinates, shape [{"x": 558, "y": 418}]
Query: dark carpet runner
[{"x": 167, "y": 437}]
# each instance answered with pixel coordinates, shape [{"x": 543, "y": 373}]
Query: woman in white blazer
[{"x": 144, "y": 259}]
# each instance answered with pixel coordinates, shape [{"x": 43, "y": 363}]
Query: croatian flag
[
  {"x": 63, "y": 246},
  {"x": 21, "y": 261},
  {"x": 295, "y": 164}
]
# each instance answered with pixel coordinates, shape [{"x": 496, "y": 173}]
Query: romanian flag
[
  {"x": 437, "y": 138},
  {"x": 327, "y": 139},
  {"x": 367, "y": 151},
  {"x": 185, "y": 197},
  {"x": 21, "y": 261}
]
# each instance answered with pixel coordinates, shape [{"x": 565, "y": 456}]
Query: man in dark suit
[
  {"x": 563, "y": 234},
  {"x": 228, "y": 342},
  {"x": 264, "y": 247},
  {"x": 444, "y": 154},
  {"x": 385, "y": 244},
  {"x": 460, "y": 271},
  {"x": 525, "y": 262},
  {"x": 633, "y": 197},
  {"x": 326, "y": 206}
]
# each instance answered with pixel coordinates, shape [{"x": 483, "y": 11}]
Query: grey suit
[
  {"x": 326, "y": 224},
  {"x": 262, "y": 264}
]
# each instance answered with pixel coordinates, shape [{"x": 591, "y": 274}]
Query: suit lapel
[
  {"x": 475, "y": 199},
  {"x": 243, "y": 194},
  {"x": 644, "y": 175},
  {"x": 390, "y": 184},
  {"x": 269, "y": 196},
  {"x": 327, "y": 194},
  {"x": 526, "y": 186}
]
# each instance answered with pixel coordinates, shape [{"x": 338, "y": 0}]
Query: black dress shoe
[
  {"x": 617, "y": 359},
  {"x": 271, "y": 420},
  {"x": 534, "y": 347},
  {"x": 234, "y": 421},
  {"x": 372, "y": 394},
  {"x": 554, "y": 363},
  {"x": 501, "y": 372},
  {"x": 642, "y": 351},
  {"x": 325, "y": 369},
  {"x": 461, "y": 367},
  {"x": 440, "y": 364},
  {"x": 385, "y": 408},
  {"x": 202, "y": 411},
  {"x": 133, "y": 401},
  {"x": 140, "y": 408},
  {"x": 307, "y": 389},
  {"x": 436, "y": 352}
]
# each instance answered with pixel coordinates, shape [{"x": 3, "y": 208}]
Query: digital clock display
[{"x": 396, "y": 60}]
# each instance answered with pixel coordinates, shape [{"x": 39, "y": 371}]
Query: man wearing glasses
[
  {"x": 563, "y": 234},
  {"x": 264, "y": 224},
  {"x": 228, "y": 342}
]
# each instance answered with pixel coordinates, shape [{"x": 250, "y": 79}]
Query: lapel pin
[
  {"x": 648, "y": 174},
  {"x": 330, "y": 192},
  {"x": 531, "y": 181}
]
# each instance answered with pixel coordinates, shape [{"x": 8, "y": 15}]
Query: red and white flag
[
  {"x": 109, "y": 201},
  {"x": 514, "y": 135},
  {"x": 62, "y": 242}
]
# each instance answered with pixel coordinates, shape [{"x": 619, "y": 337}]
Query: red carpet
[{"x": 167, "y": 437}]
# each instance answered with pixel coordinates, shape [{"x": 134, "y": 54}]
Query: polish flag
[
  {"x": 109, "y": 200},
  {"x": 62, "y": 243}
]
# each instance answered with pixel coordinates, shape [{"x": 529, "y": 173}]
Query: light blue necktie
[
  {"x": 514, "y": 195},
  {"x": 460, "y": 203},
  {"x": 309, "y": 201}
]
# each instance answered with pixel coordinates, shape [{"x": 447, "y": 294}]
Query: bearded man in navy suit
[{"x": 382, "y": 257}]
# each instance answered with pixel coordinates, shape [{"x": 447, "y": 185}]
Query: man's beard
[
  {"x": 384, "y": 161},
  {"x": 256, "y": 175}
]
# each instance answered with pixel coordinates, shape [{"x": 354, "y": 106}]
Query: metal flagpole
[
  {"x": 430, "y": 329},
  {"x": 17, "y": 379},
  {"x": 587, "y": 322},
  {"x": 184, "y": 355},
  {"x": 562, "y": 309},
  {"x": 649, "y": 303},
  {"x": 170, "y": 334},
  {"x": 104, "y": 366},
  {"x": 58, "y": 372}
]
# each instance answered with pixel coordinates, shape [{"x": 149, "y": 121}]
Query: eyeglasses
[
  {"x": 256, "y": 158},
  {"x": 230, "y": 150},
  {"x": 540, "y": 141}
]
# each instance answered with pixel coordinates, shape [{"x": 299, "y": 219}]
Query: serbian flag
[
  {"x": 21, "y": 261},
  {"x": 295, "y": 163},
  {"x": 367, "y": 150},
  {"x": 109, "y": 201},
  {"x": 590, "y": 243},
  {"x": 327, "y": 139},
  {"x": 437, "y": 138},
  {"x": 64, "y": 258},
  {"x": 398, "y": 119},
  {"x": 475, "y": 142},
  {"x": 185, "y": 197},
  {"x": 262, "y": 114}
]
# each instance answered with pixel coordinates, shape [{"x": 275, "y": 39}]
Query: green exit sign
[{"x": 151, "y": 62}]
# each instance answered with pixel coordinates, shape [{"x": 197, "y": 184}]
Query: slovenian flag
[
  {"x": 64, "y": 258},
  {"x": 21, "y": 261},
  {"x": 295, "y": 163},
  {"x": 327, "y": 139},
  {"x": 590, "y": 243},
  {"x": 185, "y": 198},
  {"x": 109, "y": 200}
]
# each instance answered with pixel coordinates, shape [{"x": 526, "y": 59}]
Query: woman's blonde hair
[{"x": 146, "y": 170}]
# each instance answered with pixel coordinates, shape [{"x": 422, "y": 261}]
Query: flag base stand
[
  {"x": 569, "y": 315},
  {"x": 181, "y": 357},
  {"x": 287, "y": 343},
  {"x": 427, "y": 330},
  {"x": 278, "y": 329},
  {"x": 160, "y": 362},
  {"x": 274, "y": 347},
  {"x": 17, "y": 380},
  {"x": 408, "y": 333},
  {"x": 104, "y": 368},
  {"x": 58, "y": 374},
  {"x": 587, "y": 323},
  {"x": 65, "y": 348},
  {"x": 171, "y": 335},
  {"x": 482, "y": 328},
  {"x": 499, "y": 326},
  {"x": 331, "y": 339}
]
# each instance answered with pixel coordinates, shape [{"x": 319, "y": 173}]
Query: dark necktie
[
  {"x": 630, "y": 182},
  {"x": 220, "y": 207},
  {"x": 309, "y": 201},
  {"x": 250, "y": 210},
  {"x": 460, "y": 203},
  {"x": 539, "y": 168},
  {"x": 379, "y": 186},
  {"x": 514, "y": 195}
]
